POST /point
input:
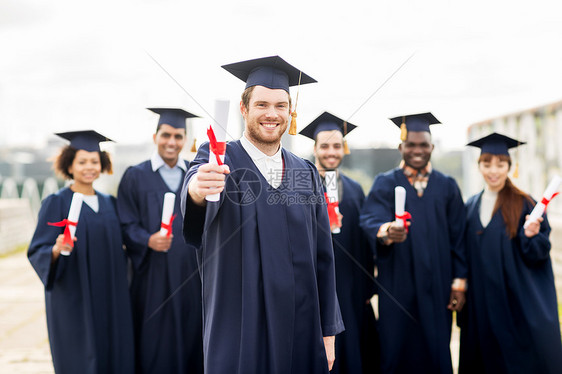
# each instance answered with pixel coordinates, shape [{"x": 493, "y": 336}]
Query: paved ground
[{"x": 24, "y": 345}]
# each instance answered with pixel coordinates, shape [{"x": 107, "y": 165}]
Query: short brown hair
[
  {"x": 247, "y": 95},
  {"x": 66, "y": 157}
]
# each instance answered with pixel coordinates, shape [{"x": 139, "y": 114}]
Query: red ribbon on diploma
[
  {"x": 332, "y": 215},
  {"x": 545, "y": 201},
  {"x": 168, "y": 226},
  {"x": 404, "y": 217},
  {"x": 218, "y": 148},
  {"x": 66, "y": 223}
]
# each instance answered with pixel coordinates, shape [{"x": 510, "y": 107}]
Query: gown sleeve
[
  {"x": 134, "y": 235},
  {"x": 377, "y": 209},
  {"x": 193, "y": 215},
  {"x": 536, "y": 249},
  {"x": 456, "y": 216},
  {"x": 330, "y": 315},
  {"x": 40, "y": 249}
]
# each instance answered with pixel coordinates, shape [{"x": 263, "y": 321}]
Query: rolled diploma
[
  {"x": 332, "y": 192},
  {"x": 167, "y": 211},
  {"x": 73, "y": 214},
  {"x": 219, "y": 128},
  {"x": 399, "y": 203},
  {"x": 539, "y": 209}
]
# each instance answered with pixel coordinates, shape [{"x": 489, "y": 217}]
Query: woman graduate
[
  {"x": 86, "y": 292},
  {"x": 510, "y": 321}
]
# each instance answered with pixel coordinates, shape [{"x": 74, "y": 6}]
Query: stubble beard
[{"x": 255, "y": 135}]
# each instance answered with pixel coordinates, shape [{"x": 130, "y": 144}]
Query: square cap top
[
  {"x": 416, "y": 122},
  {"x": 327, "y": 122},
  {"x": 496, "y": 144},
  {"x": 272, "y": 72},
  {"x": 88, "y": 140},
  {"x": 174, "y": 117}
]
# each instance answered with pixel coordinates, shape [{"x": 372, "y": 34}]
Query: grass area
[{"x": 19, "y": 248}]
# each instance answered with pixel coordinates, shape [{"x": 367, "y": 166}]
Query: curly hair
[{"x": 66, "y": 156}]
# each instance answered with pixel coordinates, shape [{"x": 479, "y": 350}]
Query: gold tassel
[
  {"x": 293, "y": 127},
  {"x": 193, "y": 146},
  {"x": 345, "y": 147},
  {"x": 516, "y": 170},
  {"x": 403, "y": 131}
]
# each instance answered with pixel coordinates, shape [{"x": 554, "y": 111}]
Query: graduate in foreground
[
  {"x": 86, "y": 293},
  {"x": 265, "y": 249},
  {"x": 510, "y": 322}
]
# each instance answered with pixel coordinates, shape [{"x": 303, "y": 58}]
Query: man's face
[
  {"x": 329, "y": 149},
  {"x": 169, "y": 141},
  {"x": 416, "y": 150},
  {"x": 267, "y": 115}
]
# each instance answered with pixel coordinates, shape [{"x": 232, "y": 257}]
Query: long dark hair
[{"x": 510, "y": 198}]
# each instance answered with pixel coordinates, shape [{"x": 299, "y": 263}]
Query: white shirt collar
[
  {"x": 255, "y": 153},
  {"x": 157, "y": 162}
]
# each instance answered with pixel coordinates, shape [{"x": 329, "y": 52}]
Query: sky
[{"x": 71, "y": 65}]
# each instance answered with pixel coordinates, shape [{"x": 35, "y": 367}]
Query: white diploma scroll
[
  {"x": 332, "y": 191},
  {"x": 167, "y": 212},
  {"x": 219, "y": 128},
  {"x": 73, "y": 214},
  {"x": 539, "y": 209},
  {"x": 399, "y": 204}
]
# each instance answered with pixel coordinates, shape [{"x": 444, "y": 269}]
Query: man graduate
[
  {"x": 265, "y": 250},
  {"x": 418, "y": 261},
  {"x": 166, "y": 287},
  {"x": 357, "y": 347}
]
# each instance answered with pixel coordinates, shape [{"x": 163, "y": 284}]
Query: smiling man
[
  {"x": 266, "y": 258},
  {"x": 165, "y": 289},
  {"x": 422, "y": 267}
]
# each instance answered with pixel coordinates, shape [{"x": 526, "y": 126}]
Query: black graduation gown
[
  {"x": 87, "y": 300},
  {"x": 415, "y": 276},
  {"x": 510, "y": 321},
  {"x": 358, "y": 346},
  {"x": 166, "y": 287},
  {"x": 267, "y": 265}
]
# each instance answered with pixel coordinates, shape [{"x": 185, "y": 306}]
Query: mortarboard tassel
[
  {"x": 193, "y": 146},
  {"x": 516, "y": 168},
  {"x": 403, "y": 130},
  {"x": 293, "y": 127},
  {"x": 345, "y": 146}
]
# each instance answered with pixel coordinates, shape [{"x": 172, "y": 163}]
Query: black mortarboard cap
[
  {"x": 496, "y": 144},
  {"x": 416, "y": 122},
  {"x": 271, "y": 72},
  {"x": 326, "y": 122},
  {"x": 87, "y": 140},
  {"x": 172, "y": 116}
]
